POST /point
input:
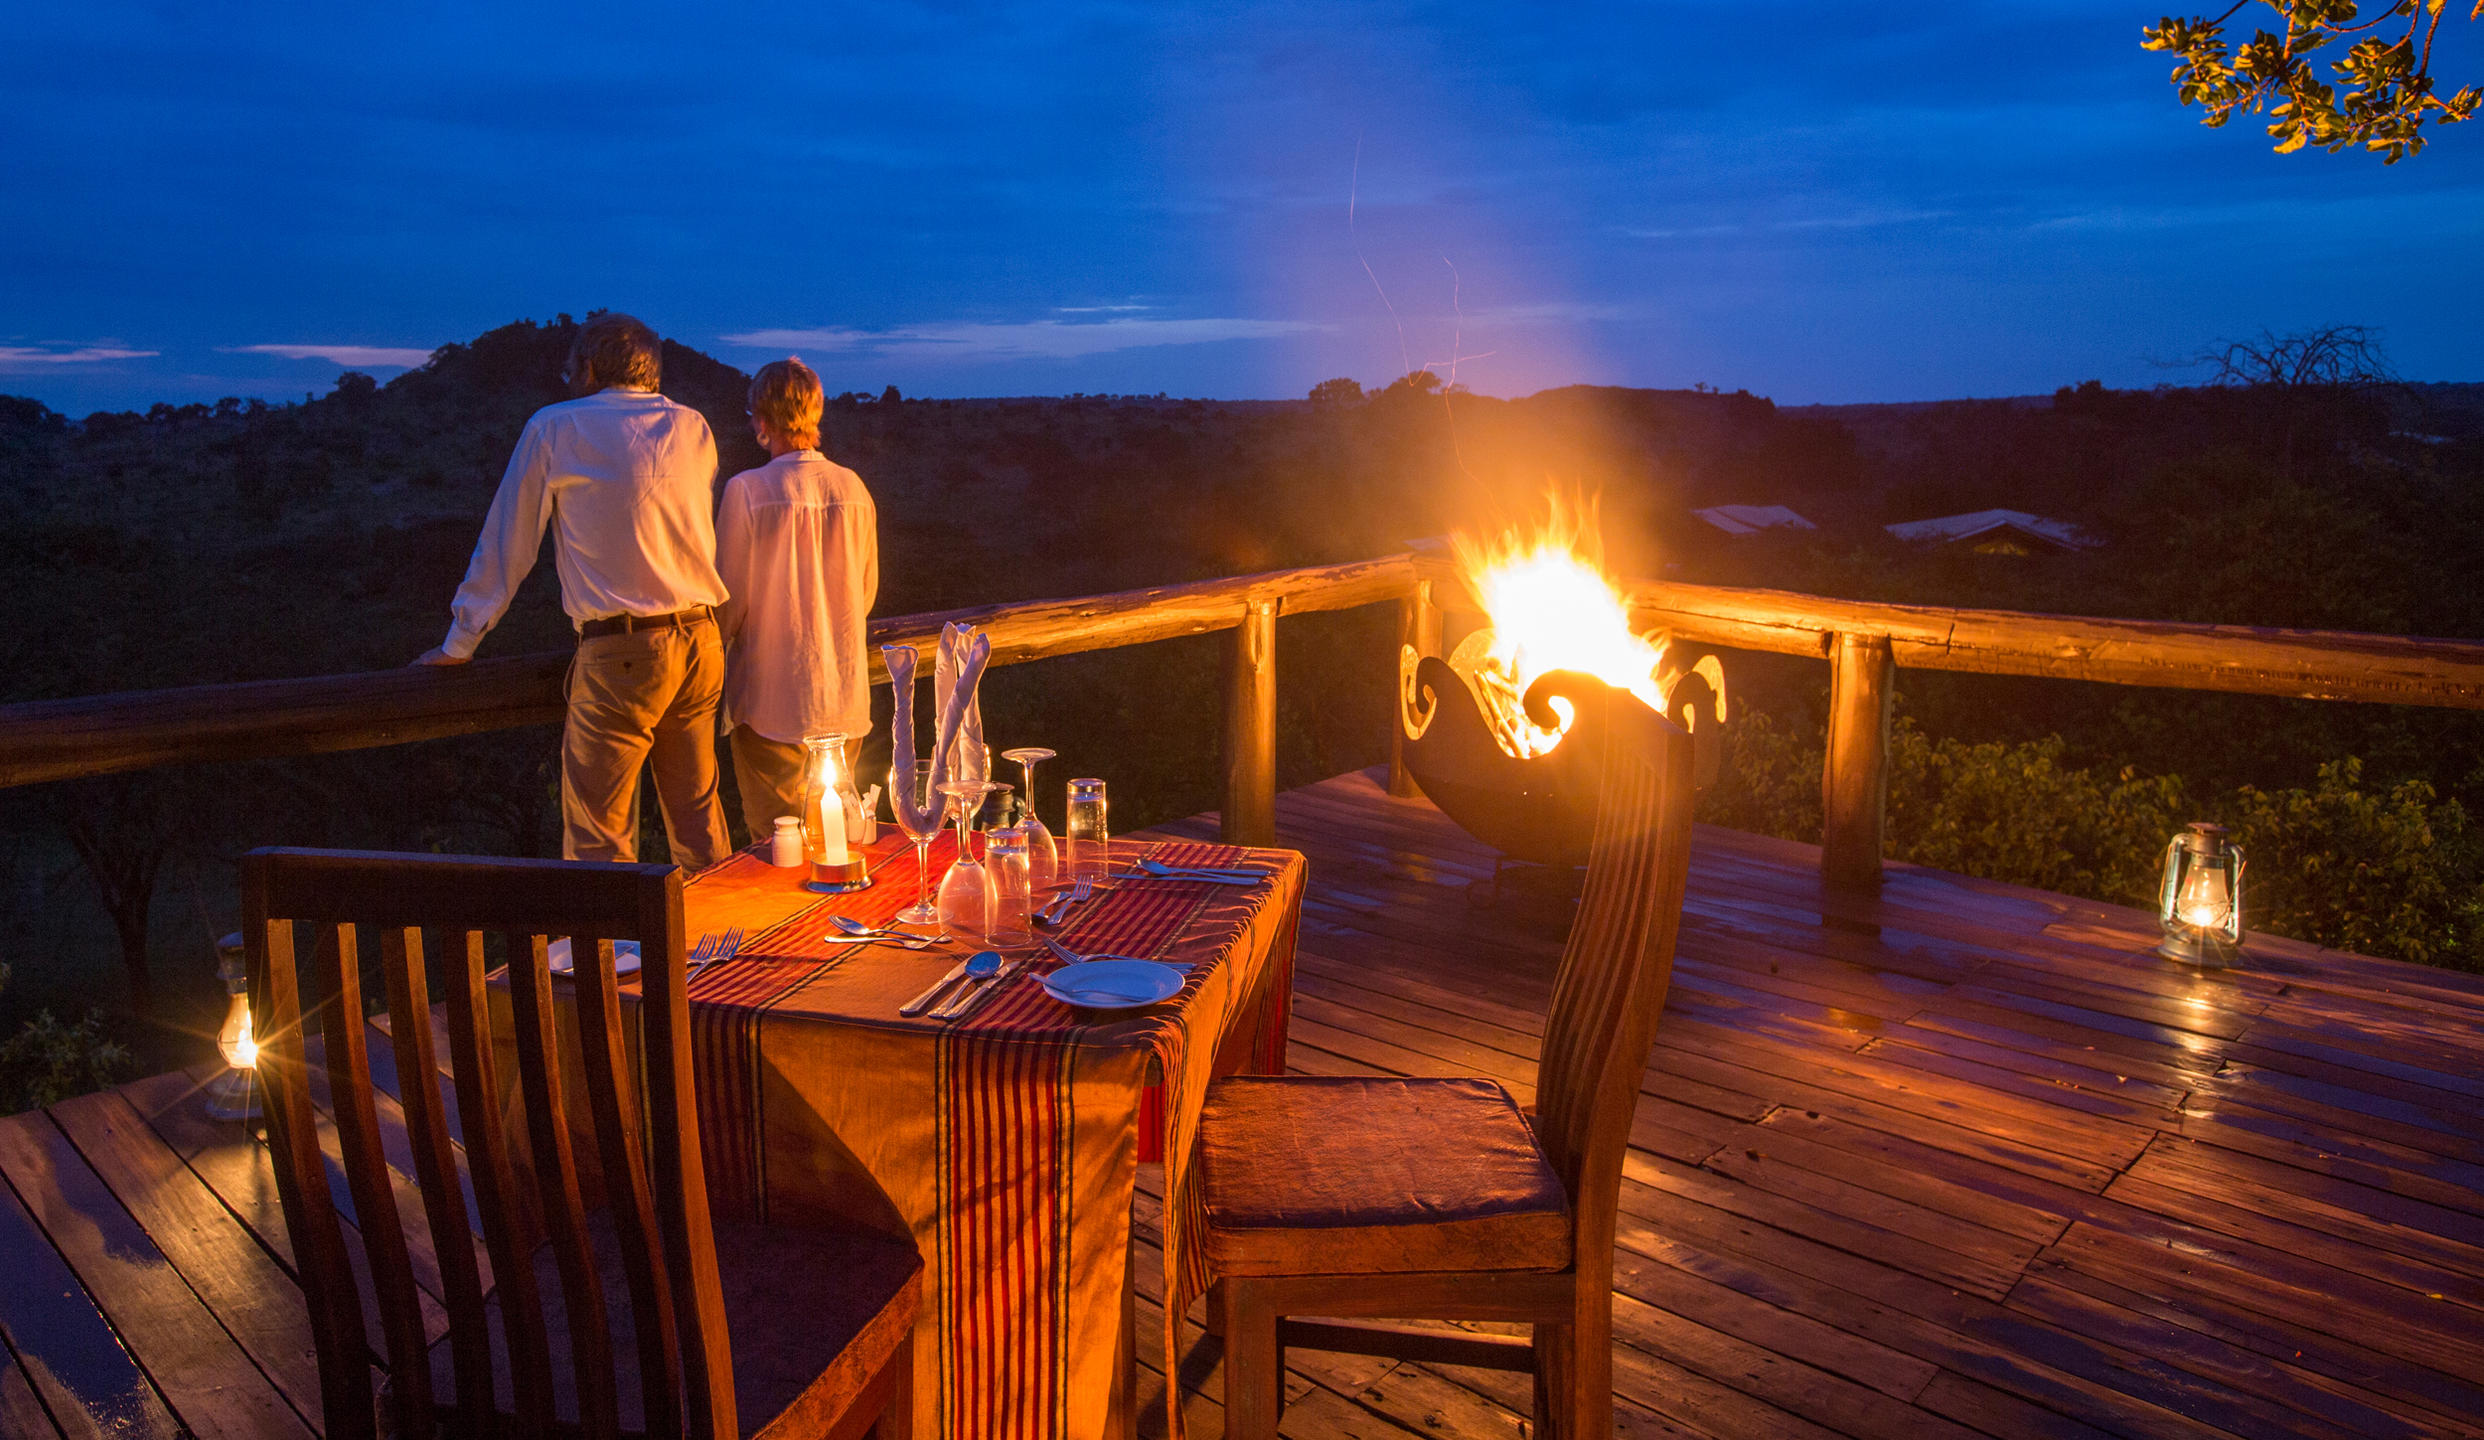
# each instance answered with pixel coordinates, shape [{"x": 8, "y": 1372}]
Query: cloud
[
  {"x": 376, "y": 357},
  {"x": 29, "y": 357},
  {"x": 1030, "y": 340}
]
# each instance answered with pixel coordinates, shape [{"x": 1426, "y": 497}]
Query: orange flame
[{"x": 1552, "y": 608}]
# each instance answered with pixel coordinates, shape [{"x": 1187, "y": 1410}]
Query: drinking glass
[
  {"x": 1042, "y": 854},
  {"x": 1089, "y": 838},
  {"x": 966, "y": 891},
  {"x": 924, "y": 911},
  {"x": 1005, "y": 854}
]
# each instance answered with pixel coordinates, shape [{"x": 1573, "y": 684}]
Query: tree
[
  {"x": 1340, "y": 391},
  {"x": 2302, "y": 374},
  {"x": 2389, "y": 90}
]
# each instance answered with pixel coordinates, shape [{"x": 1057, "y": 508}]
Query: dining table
[{"x": 1006, "y": 1143}]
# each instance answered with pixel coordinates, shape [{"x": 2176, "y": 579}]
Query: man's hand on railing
[{"x": 437, "y": 656}]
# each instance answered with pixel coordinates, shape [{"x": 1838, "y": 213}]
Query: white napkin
[
  {"x": 958, "y": 672},
  {"x": 957, "y": 699}
]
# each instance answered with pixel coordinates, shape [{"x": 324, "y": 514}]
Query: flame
[{"x": 1552, "y": 608}]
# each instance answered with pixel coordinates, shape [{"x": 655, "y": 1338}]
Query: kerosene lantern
[
  {"x": 234, "y": 1095},
  {"x": 832, "y": 818},
  {"x": 2201, "y": 902}
]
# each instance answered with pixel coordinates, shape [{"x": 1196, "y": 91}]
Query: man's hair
[
  {"x": 786, "y": 394},
  {"x": 615, "y": 349}
]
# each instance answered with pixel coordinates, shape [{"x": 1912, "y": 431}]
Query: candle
[{"x": 831, "y": 827}]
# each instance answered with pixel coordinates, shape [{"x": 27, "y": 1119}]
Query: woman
[{"x": 797, "y": 542}]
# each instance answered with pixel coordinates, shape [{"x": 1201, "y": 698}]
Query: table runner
[{"x": 1017, "y": 1089}]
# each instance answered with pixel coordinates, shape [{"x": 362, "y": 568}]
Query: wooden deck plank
[
  {"x": 21, "y": 1412},
  {"x": 77, "y": 1367},
  {"x": 1955, "y": 1159},
  {"x": 203, "y": 1376}
]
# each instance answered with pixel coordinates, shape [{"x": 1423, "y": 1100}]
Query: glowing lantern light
[
  {"x": 233, "y": 1095},
  {"x": 2200, "y": 903}
]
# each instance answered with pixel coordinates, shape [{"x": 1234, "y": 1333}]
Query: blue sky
[{"x": 1814, "y": 201}]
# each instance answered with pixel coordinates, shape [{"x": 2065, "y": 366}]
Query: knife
[
  {"x": 923, "y": 1002},
  {"x": 973, "y": 996}
]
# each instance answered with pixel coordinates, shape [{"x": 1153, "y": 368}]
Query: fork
[
  {"x": 1077, "y": 894},
  {"x": 711, "y": 949}
]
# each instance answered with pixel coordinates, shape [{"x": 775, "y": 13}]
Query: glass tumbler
[
  {"x": 1089, "y": 836},
  {"x": 1005, "y": 857}
]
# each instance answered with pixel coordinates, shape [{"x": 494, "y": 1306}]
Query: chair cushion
[
  {"x": 812, "y": 1316},
  {"x": 1348, "y": 1175}
]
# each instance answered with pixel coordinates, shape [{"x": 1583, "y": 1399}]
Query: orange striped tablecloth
[{"x": 1006, "y": 1144}]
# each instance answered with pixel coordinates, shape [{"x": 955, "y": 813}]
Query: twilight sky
[{"x": 1815, "y": 201}]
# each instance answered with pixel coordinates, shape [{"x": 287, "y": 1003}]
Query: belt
[{"x": 624, "y": 624}]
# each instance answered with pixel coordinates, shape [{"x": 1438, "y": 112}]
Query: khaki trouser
[
  {"x": 769, "y": 775},
  {"x": 649, "y": 695}
]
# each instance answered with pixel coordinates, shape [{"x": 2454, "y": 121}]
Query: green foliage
[
  {"x": 2389, "y": 88},
  {"x": 2023, "y": 814},
  {"x": 46, "y": 1061},
  {"x": 2391, "y": 871},
  {"x": 2382, "y": 871}
]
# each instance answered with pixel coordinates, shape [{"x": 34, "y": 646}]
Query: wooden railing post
[
  {"x": 1418, "y": 624},
  {"x": 1249, "y": 816},
  {"x": 1854, "y": 784}
]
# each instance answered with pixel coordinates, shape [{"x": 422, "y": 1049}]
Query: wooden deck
[{"x": 1960, "y": 1160}]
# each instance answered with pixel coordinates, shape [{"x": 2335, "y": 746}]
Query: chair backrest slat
[
  {"x": 612, "y": 1093},
  {"x": 499, "y": 1195},
  {"x": 680, "y": 1174},
  {"x": 557, "y": 1191},
  {"x": 435, "y": 1161},
  {"x": 1619, "y": 960},
  {"x": 531, "y": 1186},
  {"x": 329, "y": 1291}
]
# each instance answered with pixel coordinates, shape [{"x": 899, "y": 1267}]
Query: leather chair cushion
[
  {"x": 1353, "y": 1175},
  {"x": 812, "y": 1315}
]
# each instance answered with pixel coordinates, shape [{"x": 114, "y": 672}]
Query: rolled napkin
[
  {"x": 921, "y": 812},
  {"x": 950, "y": 679}
]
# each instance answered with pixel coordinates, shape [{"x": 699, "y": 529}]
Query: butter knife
[
  {"x": 923, "y": 1002},
  {"x": 968, "y": 1000}
]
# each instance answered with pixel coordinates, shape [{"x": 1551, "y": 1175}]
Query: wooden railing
[{"x": 1865, "y": 643}]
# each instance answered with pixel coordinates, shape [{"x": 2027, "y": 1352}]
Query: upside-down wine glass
[
  {"x": 924, "y": 910},
  {"x": 966, "y": 891},
  {"x": 1042, "y": 854}
]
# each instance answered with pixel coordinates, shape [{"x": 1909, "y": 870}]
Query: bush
[
  {"x": 46, "y": 1061},
  {"x": 2396, "y": 873}
]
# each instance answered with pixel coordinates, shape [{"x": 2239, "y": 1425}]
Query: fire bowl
[{"x": 1542, "y": 809}]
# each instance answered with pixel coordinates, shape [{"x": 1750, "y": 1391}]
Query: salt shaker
[{"x": 785, "y": 847}]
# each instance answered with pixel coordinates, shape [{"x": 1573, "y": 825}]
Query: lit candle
[{"x": 831, "y": 826}]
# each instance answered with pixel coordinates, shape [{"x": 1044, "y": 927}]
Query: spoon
[
  {"x": 982, "y": 968},
  {"x": 961, "y": 970}
]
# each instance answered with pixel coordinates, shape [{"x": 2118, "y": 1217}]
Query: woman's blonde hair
[{"x": 786, "y": 394}]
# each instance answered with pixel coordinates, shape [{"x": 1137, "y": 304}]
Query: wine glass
[
  {"x": 966, "y": 891},
  {"x": 1043, "y": 856},
  {"x": 923, "y": 911}
]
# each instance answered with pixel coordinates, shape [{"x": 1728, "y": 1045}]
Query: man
[
  {"x": 798, "y": 545},
  {"x": 623, "y": 478}
]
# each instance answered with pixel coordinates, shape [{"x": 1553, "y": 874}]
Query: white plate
[
  {"x": 1113, "y": 984},
  {"x": 624, "y": 956}
]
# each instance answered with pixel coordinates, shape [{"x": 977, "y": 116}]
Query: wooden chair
[
  {"x": 1437, "y": 1199},
  {"x": 733, "y": 1329}
]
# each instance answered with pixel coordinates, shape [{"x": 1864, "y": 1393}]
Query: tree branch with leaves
[{"x": 2387, "y": 95}]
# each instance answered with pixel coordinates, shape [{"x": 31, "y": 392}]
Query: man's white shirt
[
  {"x": 797, "y": 541},
  {"x": 624, "y": 479}
]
